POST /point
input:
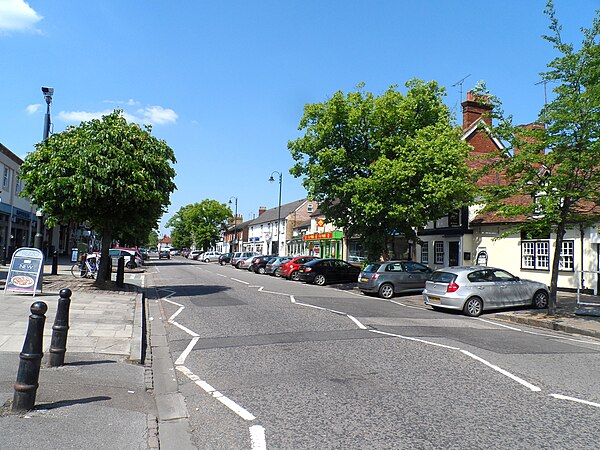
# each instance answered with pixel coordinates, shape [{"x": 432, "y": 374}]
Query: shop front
[{"x": 325, "y": 245}]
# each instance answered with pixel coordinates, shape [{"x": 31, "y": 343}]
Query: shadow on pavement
[{"x": 63, "y": 403}]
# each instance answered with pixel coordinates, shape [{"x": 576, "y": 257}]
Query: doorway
[{"x": 453, "y": 253}]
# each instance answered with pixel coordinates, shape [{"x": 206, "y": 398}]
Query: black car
[
  {"x": 164, "y": 254},
  {"x": 260, "y": 262},
  {"x": 330, "y": 270},
  {"x": 225, "y": 258}
]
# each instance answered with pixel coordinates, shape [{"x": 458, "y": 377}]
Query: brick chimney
[
  {"x": 261, "y": 210},
  {"x": 474, "y": 107}
]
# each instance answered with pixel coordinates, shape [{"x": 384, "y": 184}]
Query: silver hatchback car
[
  {"x": 478, "y": 288},
  {"x": 392, "y": 277}
]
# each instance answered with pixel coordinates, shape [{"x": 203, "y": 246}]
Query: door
[
  {"x": 453, "y": 253},
  {"x": 417, "y": 274}
]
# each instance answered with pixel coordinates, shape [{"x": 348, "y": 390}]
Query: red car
[{"x": 289, "y": 269}]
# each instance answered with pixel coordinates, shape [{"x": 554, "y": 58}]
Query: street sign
[{"x": 26, "y": 271}]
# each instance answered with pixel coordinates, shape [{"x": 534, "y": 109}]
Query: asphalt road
[{"x": 270, "y": 363}]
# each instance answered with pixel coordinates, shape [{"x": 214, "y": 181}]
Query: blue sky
[{"x": 225, "y": 82}]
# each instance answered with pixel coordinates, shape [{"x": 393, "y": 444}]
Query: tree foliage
[
  {"x": 199, "y": 224},
  {"x": 556, "y": 163},
  {"x": 383, "y": 165},
  {"x": 113, "y": 175}
]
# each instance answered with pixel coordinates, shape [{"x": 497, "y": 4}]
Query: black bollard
[
  {"x": 31, "y": 359},
  {"x": 121, "y": 271},
  {"x": 60, "y": 329},
  {"x": 55, "y": 263}
]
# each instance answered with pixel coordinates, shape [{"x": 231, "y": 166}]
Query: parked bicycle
[{"x": 87, "y": 266}]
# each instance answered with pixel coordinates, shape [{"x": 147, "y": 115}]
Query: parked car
[
  {"x": 164, "y": 254},
  {"x": 209, "y": 256},
  {"x": 194, "y": 254},
  {"x": 478, "y": 288},
  {"x": 175, "y": 252},
  {"x": 225, "y": 258},
  {"x": 241, "y": 255},
  {"x": 329, "y": 270},
  {"x": 259, "y": 263},
  {"x": 116, "y": 253},
  {"x": 289, "y": 269},
  {"x": 245, "y": 263},
  {"x": 274, "y": 263},
  {"x": 393, "y": 277},
  {"x": 145, "y": 254}
]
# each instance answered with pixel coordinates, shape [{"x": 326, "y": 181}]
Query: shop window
[
  {"x": 438, "y": 250},
  {"x": 425, "y": 252}
]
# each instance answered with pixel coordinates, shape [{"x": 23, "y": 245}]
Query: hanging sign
[{"x": 26, "y": 271}]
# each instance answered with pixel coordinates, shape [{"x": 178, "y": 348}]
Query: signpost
[{"x": 26, "y": 271}]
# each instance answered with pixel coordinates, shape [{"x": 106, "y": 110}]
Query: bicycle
[{"x": 87, "y": 267}]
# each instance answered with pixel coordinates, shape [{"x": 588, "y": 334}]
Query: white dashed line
[{"x": 573, "y": 399}]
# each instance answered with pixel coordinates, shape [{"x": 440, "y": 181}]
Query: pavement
[{"x": 118, "y": 388}]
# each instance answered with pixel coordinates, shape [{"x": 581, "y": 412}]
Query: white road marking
[
  {"x": 172, "y": 318},
  {"x": 408, "y": 338},
  {"x": 240, "y": 281},
  {"x": 257, "y": 437},
  {"x": 496, "y": 324},
  {"x": 503, "y": 372},
  {"x": 233, "y": 406},
  {"x": 181, "y": 360},
  {"x": 183, "y": 328},
  {"x": 573, "y": 399},
  {"x": 221, "y": 275},
  {"x": 355, "y": 320}
]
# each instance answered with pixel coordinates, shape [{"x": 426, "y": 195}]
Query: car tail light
[
  {"x": 307, "y": 269},
  {"x": 452, "y": 287},
  {"x": 374, "y": 276}
]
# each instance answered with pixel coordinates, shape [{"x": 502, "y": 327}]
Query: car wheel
[
  {"x": 131, "y": 265},
  {"x": 386, "y": 291},
  {"x": 261, "y": 270},
  {"x": 238, "y": 265},
  {"x": 294, "y": 276},
  {"x": 540, "y": 300},
  {"x": 206, "y": 260},
  {"x": 320, "y": 280},
  {"x": 473, "y": 307}
]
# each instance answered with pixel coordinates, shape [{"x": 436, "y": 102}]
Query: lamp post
[
  {"x": 271, "y": 179},
  {"x": 234, "y": 221},
  {"x": 48, "y": 92}
]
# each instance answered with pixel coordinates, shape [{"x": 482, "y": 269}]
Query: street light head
[
  {"x": 48, "y": 93},
  {"x": 271, "y": 179}
]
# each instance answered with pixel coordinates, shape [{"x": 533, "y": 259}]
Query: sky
[{"x": 224, "y": 83}]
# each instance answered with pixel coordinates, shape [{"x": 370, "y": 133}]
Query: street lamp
[
  {"x": 271, "y": 179},
  {"x": 48, "y": 92},
  {"x": 234, "y": 220}
]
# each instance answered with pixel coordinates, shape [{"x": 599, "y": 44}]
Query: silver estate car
[
  {"x": 478, "y": 288},
  {"x": 392, "y": 277}
]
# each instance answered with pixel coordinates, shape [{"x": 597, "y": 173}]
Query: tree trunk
[
  {"x": 104, "y": 257},
  {"x": 560, "y": 234}
]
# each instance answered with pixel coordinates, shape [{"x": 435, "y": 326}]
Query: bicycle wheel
[{"x": 78, "y": 271}]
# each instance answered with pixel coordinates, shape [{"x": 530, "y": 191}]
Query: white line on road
[
  {"x": 408, "y": 338},
  {"x": 221, "y": 275},
  {"x": 240, "y": 281},
  {"x": 172, "y": 318},
  {"x": 233, "y": 406},
  {"x": 257, "y": 437},
  {"x": 187, "y": 330},
  {"x": 573, "y": 399},
  {"x": 181, "y": 360},
  {"x": 503, "y": 372},
  {"x": 355, "y": 320}
]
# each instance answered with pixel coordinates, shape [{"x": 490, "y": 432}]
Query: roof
[
  {"x": 271, "y": 215},
  {"x": 10, "y": 154}
]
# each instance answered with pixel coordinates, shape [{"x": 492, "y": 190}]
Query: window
[
  {"x": 535, "y": 255},
  {"x": 566, "y": 256},
  {"x": 18, "y": 187},
  {"x": 309, "y": 208},
  {"x": 425, "y": 252},
  {"x": 6, "y": 180},
  {"x": 438, "y": 250}
]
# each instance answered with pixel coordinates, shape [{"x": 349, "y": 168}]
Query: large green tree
[
  {"x": 109, "y": 173},
  {"x": 555, "y": 168},
  {"x": 199, "y": 224},
  {"x": 383, "y": 165}
]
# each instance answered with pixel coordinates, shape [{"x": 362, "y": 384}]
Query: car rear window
[
  {"x": 372, "y": 268},
  {"x": 442, "y": 277}
]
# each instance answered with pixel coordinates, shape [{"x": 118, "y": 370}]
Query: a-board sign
[{"x": 26, "y": 271}]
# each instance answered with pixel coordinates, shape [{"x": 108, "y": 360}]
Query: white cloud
[
  {"x": 17, "y": 15},
  {"x": 157, "y": 115},
  {"x": 153, "y": 115},
  {"x": 32, "y": 109}
]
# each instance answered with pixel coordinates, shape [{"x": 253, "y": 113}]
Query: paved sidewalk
[{"x": 102, "y": 397}]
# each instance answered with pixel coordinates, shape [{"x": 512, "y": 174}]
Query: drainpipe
[{"x": 582, "y": 248}]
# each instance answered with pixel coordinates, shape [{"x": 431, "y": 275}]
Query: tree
[
  {"x": 383, "y": 165},
  {"x": 554, "y": 168},
  {"x": 199, "y": 224},
  {"x": 113, "y": 175}
]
